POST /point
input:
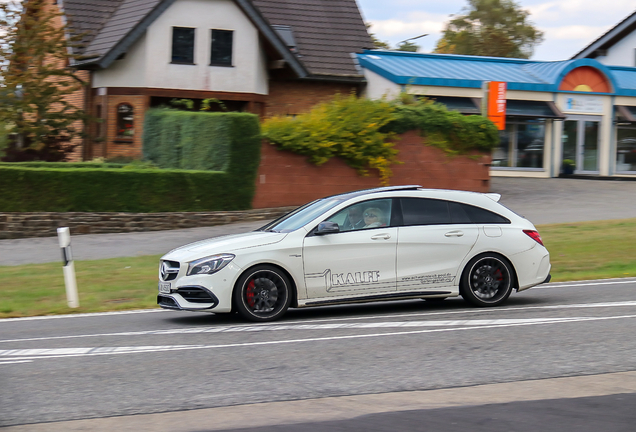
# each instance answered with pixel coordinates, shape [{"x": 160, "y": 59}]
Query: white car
[{"x": 388, "y": 243}]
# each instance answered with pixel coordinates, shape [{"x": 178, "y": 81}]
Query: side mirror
[{"x": 327, "y": 228}]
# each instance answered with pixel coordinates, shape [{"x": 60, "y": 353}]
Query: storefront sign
[
  {"x": 497, "y": 103},
  {"x": 580, "y": 104}
]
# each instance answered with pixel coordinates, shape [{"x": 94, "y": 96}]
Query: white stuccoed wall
[
  {"x": 623, "y": 53},
  {"x": 147, "y": 63}
]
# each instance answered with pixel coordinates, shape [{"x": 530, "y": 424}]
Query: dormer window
[
  {"x": 182, "y": 45},
  {"x": 221, "y": 52}
]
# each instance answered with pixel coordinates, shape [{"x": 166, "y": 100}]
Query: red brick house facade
[{"x": 268, "y": 57}]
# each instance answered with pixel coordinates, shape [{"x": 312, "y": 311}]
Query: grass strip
[{"x": 578, "y": 251}]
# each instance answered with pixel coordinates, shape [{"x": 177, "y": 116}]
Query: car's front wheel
[
  {"x": 487, "y": 280},
  {"x": 262, "y": 294}
]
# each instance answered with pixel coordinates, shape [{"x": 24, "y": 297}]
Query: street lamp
[{"x": 413, "y": 38}]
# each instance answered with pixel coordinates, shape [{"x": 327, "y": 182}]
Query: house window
[
  {"x": 221, "y": 52},
  {"x": 182, "y": 45},
  {"x": 125, "y": 121},
  {"x": 626, "y": 149},
  {"x": 521, "y": 145}
]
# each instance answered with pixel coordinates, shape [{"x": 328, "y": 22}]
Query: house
[
  {"x": 268, "y": 57},
  {"x": 616, "y": 47},
  {"x": 579, "y": 110}
]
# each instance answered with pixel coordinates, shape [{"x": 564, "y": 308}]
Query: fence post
[{"x": 64, "y": 237}]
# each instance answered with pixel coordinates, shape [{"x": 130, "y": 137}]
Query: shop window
[
  {"x": 182, "y": 45},
  {"x": 125, "y": 121},
  {"x": 521, "y": 145},
  {"x": 626, "y": 149},
  {"x": 221, "y": 51}
]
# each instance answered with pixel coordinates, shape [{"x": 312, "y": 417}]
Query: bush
[
  {"x": 30, "y": 187},
  {"x": 450, "y": 131},
  {"x": 188, "y": 140},
  {"x": 346, "y": 127},
  {"x": 358, "y": 130}
]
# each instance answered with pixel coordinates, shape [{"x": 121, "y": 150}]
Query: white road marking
[
  {"x": 306, "y": 324},
  {"x": 85, "y": 315},
  {"x": 48, "y": 353},
  {"x": 142, "y": 311},
  {"x": 583, "y": 283}
]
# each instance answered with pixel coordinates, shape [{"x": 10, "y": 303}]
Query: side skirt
[{"x": 378, "y": 297}]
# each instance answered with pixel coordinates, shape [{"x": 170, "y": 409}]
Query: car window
[
  {"x": 482, "y": 216},
  {"x": 425, "y": 211},
  {"x": 364, "y": 215},
  {"x": 458, "y": 213},
  {"x": 301, "y": 216}
]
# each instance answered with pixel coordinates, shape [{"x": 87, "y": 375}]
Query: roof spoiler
[{"x": 494, "y": 196}]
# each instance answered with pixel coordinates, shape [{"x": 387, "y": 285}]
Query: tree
[
  {"x": 408, "y": 46},
  {"x": 36, "y": 80},
  {"x": 377, "y": 43},
  {"x": 497, "y": 28}
]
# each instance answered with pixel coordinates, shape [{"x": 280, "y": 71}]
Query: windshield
[{"x": 301, "y": 216}]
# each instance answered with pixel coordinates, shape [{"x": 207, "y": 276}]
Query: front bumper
[{"x": 191, "y": 298}]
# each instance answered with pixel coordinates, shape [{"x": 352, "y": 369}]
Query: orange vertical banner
[{"x": 497, "y": 103}]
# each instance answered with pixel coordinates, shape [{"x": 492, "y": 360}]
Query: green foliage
[
  {"x": 346, "y": 127},
  {"x": 408, "y": 46},
  {"x": 34, "y": 78},
  {"x": 497, "y": 28},
  {"x": 187, "y": 104},
  {"x": 191, "y": 140},
  {"x": 359, "y": 131},
  {"x": 377, "y": 43},
  {"x": 120, "y": 190},
  {"x": 450, "y": 131},
  {"x": 93, "y": 187}
]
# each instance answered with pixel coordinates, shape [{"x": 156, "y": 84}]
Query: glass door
[{"x": 580, "y": 143}]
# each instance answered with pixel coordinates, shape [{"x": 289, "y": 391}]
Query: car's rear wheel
[
  {"x": 487, "y": 280},
  {"x": 262, "y": 294}
]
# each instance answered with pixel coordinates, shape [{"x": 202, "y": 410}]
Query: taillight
[{"x": 534, "y": 235}]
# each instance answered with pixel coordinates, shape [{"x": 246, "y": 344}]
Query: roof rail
[{"x": 380, "y": 189}]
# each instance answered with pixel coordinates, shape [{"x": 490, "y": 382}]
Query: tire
[
  {"x": 263, "y": 293},
  {"x": 487, "y": 280}
]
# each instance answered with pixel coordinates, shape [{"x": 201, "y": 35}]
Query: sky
[{"x": 568, "y": 25}]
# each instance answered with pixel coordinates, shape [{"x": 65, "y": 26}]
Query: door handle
[
  {"x": 381, "y": 237},
  {"x": 454, "y": 234}
]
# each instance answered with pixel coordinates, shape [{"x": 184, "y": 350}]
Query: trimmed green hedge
[
  {"x": 187, "y": 140},
  {"x": 30, "y": 189}
]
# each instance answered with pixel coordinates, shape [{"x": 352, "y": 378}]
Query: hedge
[
  {"x": 29, "y": 189},
  {"x": 187, "y": 140}
]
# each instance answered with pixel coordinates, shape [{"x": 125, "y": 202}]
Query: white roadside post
[{"x": 64, "y": 236}]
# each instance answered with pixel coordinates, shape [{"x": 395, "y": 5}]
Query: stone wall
[{"x": 45, "y": 224}]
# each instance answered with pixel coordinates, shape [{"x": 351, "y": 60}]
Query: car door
[
  {"x": 357, "y": 261},
  {"x": 435, "y": 238}
]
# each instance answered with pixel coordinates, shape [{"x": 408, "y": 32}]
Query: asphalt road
[{"x": 564, "y": 352}]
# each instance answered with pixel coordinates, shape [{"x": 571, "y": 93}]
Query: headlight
[{"x": 209, "y": 265}]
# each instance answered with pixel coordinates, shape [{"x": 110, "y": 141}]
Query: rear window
[{"x": 479, "y": 215}]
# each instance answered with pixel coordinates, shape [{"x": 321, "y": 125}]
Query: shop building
[{"x": 577, "y": 110}]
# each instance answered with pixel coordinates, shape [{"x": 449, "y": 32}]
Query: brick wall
[
  {"x": 286, "y": 179},
  {"x": 297, "y": 97}
]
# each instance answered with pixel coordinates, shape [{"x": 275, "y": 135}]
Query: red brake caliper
[
  {"x": 250, "y": 294},
  {"x": 499, "y": 275}
]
